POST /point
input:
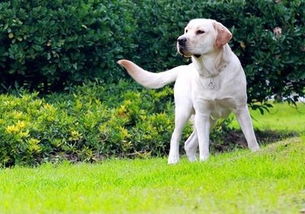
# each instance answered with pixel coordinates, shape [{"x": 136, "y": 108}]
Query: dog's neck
[{"x": 211, "y": 64}]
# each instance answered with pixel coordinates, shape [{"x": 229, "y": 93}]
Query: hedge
[
  {"x": 90, "y": 123},
  {"x": 87, "y": 124},
  {"x": 50, "y": 45}
]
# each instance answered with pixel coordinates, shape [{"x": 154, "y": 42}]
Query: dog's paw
[
  {"x": 203, "y": 158},
  {"x": 254, "y": 148},
  {"x": 173, "y": 159},
  {"x": 191, "y": 155},
  {"x": 192, "y": 158}
]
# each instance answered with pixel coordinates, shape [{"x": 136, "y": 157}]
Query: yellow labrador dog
[{"x": 211, "y": 87}]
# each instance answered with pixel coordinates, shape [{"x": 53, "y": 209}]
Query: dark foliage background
[{"x": 49, "y": 45}]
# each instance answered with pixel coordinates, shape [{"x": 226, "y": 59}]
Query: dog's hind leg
[
  {"x": 244, "y": 120},
  {"x": 191, "y": 144}
]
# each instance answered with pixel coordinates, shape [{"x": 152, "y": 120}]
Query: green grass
[
  {"x": 282, "y": 117},
  {"x": 269, "y": 181}
]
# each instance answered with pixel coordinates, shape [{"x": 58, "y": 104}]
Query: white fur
[{"x": 212, "y": 86}]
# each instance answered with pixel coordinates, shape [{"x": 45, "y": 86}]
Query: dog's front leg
[
  {"x": 202, "y": 125},
  {"x": 182, "y": 115},
  {"x": 173, "y": 156},
  {"x": 244, "y": 120}
]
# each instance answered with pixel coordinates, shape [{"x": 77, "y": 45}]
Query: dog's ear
[{"x": 223, "y": 34}]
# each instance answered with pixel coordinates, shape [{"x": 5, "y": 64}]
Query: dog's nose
[{"x": 181, "y": 40}]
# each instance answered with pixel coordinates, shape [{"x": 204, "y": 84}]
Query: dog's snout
[{"x": 181, "y": 40}]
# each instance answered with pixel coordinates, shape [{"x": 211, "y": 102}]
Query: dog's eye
[
  {"x": 186, "y": 31},
  {"x": 200, "y": 32}
]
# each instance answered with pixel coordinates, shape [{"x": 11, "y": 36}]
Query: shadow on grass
[{"x": 234, "y": 139}]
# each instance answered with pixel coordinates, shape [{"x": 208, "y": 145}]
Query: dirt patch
[{"x": 235, "y": 139}]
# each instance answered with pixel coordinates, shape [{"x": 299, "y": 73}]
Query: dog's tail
[{"x": 149, "y": 79}]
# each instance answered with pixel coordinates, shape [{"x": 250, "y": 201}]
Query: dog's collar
[
  {"x": 212, "y": 85},
  {"x": 214, "y": 74},
  {"x": 222, "y": 67}
]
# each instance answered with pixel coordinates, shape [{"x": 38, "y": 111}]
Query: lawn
[
  {"x": 269, "y": 181},
  {"x": 282, "y": 117}
]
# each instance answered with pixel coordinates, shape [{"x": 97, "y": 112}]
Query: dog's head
[{"x": 202, "y": 36}]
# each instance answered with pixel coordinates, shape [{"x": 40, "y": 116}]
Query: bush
[
  {"x": 87, "y": 124},
  {"x": 52, "y": 44}
]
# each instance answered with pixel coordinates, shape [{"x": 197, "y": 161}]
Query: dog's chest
[
  {"x": 215, "y": 95},
  {"x": 228, "y": 83},
  {"x": 210, "y": 88},
  {"x": 210, "y": 83},
  {"x": 221, "y": 108},
  {"x": 218, "y": 108}
]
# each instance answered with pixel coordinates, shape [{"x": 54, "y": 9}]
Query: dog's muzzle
[
  {"x": 181, "y": 46},
  {"x": 181, "y": 41}
]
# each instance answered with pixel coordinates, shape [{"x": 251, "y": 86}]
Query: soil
[{"x": 235, "y": 139}]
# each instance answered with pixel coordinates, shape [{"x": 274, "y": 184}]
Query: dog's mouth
[{"x": 185, "y": 52}]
